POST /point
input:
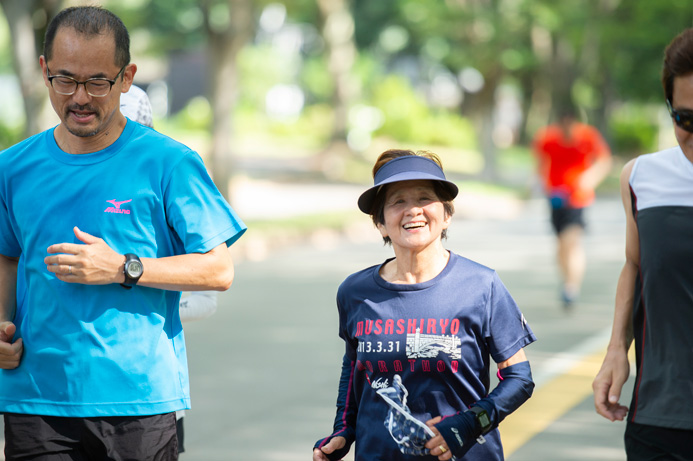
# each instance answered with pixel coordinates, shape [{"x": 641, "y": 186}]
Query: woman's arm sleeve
[{"x": 345, "y": 421}]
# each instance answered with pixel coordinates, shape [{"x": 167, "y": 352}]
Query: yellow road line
[{"x": 549, "y": 402}]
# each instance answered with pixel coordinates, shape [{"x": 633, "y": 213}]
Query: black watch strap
[
  {"x": 132, "y": 269},
  {"x": 482, "y": 419}
]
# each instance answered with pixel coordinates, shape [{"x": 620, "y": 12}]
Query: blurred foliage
[
  {"x": 195, "y": 116},
  {"x": 408, "y": 118},
  {"x": 316, "y": 81},
  {"x": 633, "y": 132},
  {"x": 635, "y": 35},
  {"x": 299, "y": 226},
  {"x": 262, "y": 67},
  {"x": 310, "y": 131},
  {"x": 5, "y": 55},
  {"x": 173, "y": 24},
  {"x": 517, "y": 158},
  {"x": 605, "y": 55},
  {"x": 9, "y": 136}
]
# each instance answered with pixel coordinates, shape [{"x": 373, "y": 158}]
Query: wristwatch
[
  {"x": 482, "y": 419},
  {"x": 133, "y": 270}
]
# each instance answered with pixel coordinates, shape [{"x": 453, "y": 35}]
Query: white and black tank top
[{"x": 661, "y": 187}]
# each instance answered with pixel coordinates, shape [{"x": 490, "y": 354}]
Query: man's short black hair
[
  {"x": 678, "y": 61},
  {"x": 90, "y": 20}
]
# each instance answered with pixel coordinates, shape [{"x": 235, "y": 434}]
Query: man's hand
[
  {"x": 336, "y": 443},
  {"x": 608, "y": 384},
  {"x": 93, "y": 263},
  {"x": 10, "y": 352}
]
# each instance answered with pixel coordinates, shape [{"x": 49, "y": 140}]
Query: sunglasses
[{"x": 682, "y": 118}]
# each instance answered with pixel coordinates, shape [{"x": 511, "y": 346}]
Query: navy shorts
[
  {"x": 55, "y": 438},
  {"x": 650, "y": 443},
  {"x": 563, "y": 217}
]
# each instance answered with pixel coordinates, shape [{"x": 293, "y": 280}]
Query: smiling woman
[
  {"x": 395, "y": 166},
  {"x": 423, "y": 327}
]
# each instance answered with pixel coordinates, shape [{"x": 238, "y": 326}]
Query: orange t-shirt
[{"x": 567, "y": 158}]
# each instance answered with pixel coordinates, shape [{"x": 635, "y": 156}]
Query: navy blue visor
[{"x": 407, "y": 168}]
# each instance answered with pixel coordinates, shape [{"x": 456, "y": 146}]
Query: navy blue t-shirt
[{"x": 439, "y": 336}]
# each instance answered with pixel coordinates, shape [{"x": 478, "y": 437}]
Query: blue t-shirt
[
  {"x": 439, "y": 336},
  {"x": 103, "y": 350}
]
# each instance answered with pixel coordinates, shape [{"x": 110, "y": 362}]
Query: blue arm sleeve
[
  {"x": 460, "y": 431},
  {"x": 345, "y": 421}
]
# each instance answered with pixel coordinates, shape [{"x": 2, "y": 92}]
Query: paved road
[{"x": 264, "y": 369}]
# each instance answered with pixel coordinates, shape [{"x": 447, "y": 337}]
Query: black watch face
[
  {"x": 134, "y": 269},
  {"x": 484, "y": 420}
]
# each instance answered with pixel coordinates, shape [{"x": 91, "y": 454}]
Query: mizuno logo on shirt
[{"x": 116, "y": 207}]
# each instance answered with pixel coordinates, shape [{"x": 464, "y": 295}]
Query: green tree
[
  {"x": 222, "y": 28},
  {"x": 488, "y": 37}
]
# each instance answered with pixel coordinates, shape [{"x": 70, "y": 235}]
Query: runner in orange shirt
[{"x": 573, "y": 159}]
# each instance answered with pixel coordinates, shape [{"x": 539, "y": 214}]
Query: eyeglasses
[
  {"x": 683, "y": 119},
  {"x": 96, "y": 87}
]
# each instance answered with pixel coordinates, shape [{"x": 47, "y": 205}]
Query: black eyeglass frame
[
  {"x": 78, "y": 83},
  {"x": 682, "y": 120}
]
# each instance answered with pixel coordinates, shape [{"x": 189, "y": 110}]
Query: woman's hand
[
  {"x": 319, "y": 454},
  {"x": 437, "y": 444}
]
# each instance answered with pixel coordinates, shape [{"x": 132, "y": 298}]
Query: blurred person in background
[
  {"x": 420, "y": 331},
  {"x": 654, "y": 295},
  {"x": 195, "y": 305},
  {"x": 135, "y": 105},
  {"x": 572, "y": 159}
]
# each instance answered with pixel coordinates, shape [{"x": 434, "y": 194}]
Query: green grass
[{"x": 304, "y": 224}]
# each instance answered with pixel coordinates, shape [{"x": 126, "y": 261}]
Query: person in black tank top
[{"x": 654, "y": 296}]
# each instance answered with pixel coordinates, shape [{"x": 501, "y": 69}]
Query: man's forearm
[
  {"x": 8, "y": 287},
  {"x": 190, "y": 272},
  {"x": 94, "y": 262},
  {"x": 622, "y": 331}
]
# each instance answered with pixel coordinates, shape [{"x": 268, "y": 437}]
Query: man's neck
[{"x": 77, "y": 145}]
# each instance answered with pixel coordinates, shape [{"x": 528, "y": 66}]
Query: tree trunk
[
  {"x": 562, "y": 72},
  {"x": 224, "y": 46},
  {"x": 481, "y": 108},
  {"x": 25, "y": 59},
  {"x": 486, "y": 127},
  {"x": 338, "y": 33}
]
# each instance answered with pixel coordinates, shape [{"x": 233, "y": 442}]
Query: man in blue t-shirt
[{"x": 112, "y": 220}]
